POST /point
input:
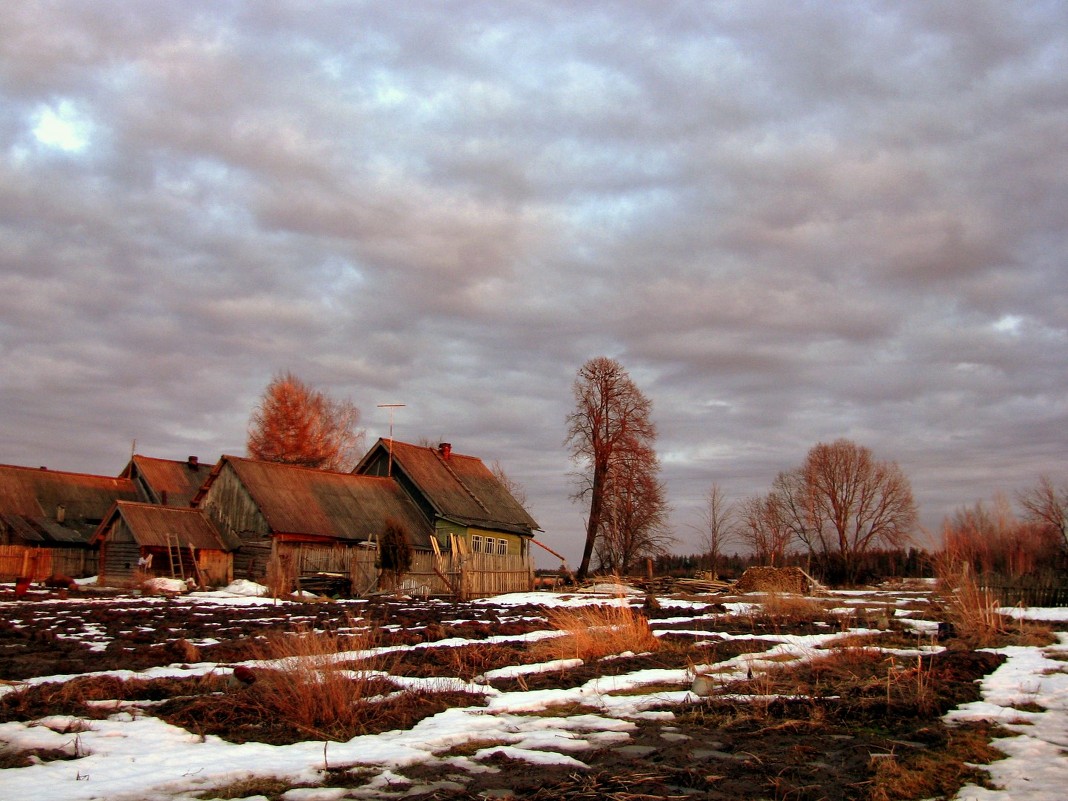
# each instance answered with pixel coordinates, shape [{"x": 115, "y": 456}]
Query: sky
[{"x": 790, "y": 222}]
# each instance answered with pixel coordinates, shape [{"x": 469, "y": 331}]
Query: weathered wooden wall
[
  {"x": 40, "y": 563},
  {"x": 232, "y": 509},
  {"x": 216, "y": 567}
]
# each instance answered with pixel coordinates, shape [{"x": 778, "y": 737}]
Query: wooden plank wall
[
  {"x": 216, "y": 567},
  {"x": 40, "y": 563}
]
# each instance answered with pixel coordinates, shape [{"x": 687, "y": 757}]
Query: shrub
[{"x": 395, "y": 551}]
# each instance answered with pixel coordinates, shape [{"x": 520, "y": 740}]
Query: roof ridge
[
  {"x": 48, "y": 471},
  {"x": 460, "y": 481}
]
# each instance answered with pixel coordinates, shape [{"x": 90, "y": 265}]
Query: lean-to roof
[{"x": 151, "y": 524}]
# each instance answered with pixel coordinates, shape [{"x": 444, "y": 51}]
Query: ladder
[{"x": 174, "y": 552}]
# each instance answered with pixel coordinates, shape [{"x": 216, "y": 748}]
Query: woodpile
[{"x": 666, "y": 585}]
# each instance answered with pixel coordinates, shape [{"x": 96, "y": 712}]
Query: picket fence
[{"x": 1018, "y": 594}]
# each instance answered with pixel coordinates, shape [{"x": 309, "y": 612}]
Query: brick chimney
[
  {"x": 445, "y": 449},
  {"x": 193, "y": 462}
]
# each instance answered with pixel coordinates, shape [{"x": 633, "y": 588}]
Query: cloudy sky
[{"x": 791, "y": 222}]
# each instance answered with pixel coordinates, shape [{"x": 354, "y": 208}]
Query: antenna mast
[{"x": 391, "y": 407}]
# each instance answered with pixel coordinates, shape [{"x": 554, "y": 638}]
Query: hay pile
[{"x": 777, "y": 579}]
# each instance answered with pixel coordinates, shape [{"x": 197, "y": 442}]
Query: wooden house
[
  {"x": 303, "y": 521},
  {"x": 167, "y": 482},
  {"x": 469, "y": 508},
  {"x": 140, "y": 540},
  {"x": 47, "y": 518}
]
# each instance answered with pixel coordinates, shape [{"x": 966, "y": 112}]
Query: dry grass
[
  {"x": 778, "y": 611},
  {"x": 265, "y": 786},
  {"x": 787, "y": 607},
  {"x": 971, "y": 609},
  {"x": 593, "y": 632},
  {"x": 304, "y": 684},
  {"x": 923, "y": 774},
  {"x": 859, "y": 673},
  {"x": 82, "y": 696}
]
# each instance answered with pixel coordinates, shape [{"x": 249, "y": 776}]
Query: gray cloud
[{"x": 790, "y": 222}]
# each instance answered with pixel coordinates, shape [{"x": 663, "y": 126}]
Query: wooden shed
[{"x": 141, "y": 540}]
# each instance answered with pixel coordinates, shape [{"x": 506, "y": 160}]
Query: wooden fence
[
  {"x": 40, "y": 563},
  {"x": 1016, "y": 594},
  {"x": 459, "y": 575},
  {"x": 471, "y": 575}
]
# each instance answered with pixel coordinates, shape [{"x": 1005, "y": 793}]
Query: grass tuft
[
  {"x": 593, "y": 632},
  {"x": 304, "y": 683},
  {"x": 972, "y": 609}
]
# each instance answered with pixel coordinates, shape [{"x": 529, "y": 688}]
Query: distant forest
[{"x": 875, "y": 565}]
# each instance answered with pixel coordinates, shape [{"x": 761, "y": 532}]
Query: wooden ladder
[{"x": 174, "y": 551}]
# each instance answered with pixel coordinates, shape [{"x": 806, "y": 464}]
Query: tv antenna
[{"x": 391, "y": 407}]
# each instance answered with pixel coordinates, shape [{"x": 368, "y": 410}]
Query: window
[
  {"x": 502, "y": 547},
  {"x": 476, "y": 543}
]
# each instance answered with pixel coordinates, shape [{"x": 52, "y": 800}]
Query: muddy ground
[{"x": 858, "y": 726}]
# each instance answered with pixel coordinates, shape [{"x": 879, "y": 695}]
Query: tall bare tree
[
  {"x": 854, "y": 503},
  {"x": 610, "y": 420},
  {"x": 717, "y": 524},
  {"x": 1047, "y": 505},
  {"x": 634, "y": 517},
  {"x": 297, "y": 424}
]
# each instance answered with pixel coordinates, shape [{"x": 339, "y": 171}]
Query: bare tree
[
  {"x": 765, "y": 527},
  {"x": 1047, "y": 505},
  {"x": 854, "y": 503},
  {"x": 717, "y": 525},
  {"x": 515, "y": 489},
  {"x": 297, "y": 424},
  {"x": 634, "y": 512},
  {"x": 611, "y": 417},
  {"x": 799, "y": 513},
  {"x": 991, "y": 539}
]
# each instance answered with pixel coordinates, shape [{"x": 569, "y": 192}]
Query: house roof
[
  {"x": 302, "y": 501},
  {"x": 178, "y": 481},
  {"x": 150, "y": 525},
  {"x": 458, "y": 487},
  {"x": 35, "y": 495}
]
